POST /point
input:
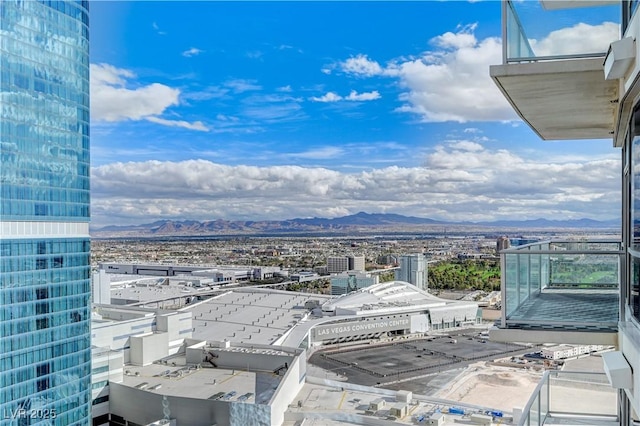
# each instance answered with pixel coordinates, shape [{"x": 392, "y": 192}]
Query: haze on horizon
[{"x": 277, "y": 110}]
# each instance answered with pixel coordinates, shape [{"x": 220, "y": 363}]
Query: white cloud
[
  {"x": 451, "y": 81},
  {"x": 361, "y": 65},
  {"x": 327, "y": 97},
  {"x": 581, "y": 38},
  {"x": 366, "y": 96},
  {"x": 194, "y": 51},
  {"x": 112, "y": 100},
  {"x": 196, "y": 125},
  {"x": 467, "y": 146},
  {"x": 286, "y": 88},
  {"x": 460, "y": 180},
  {"x": 108, "y": 74},
  {"x": 352, "y": 96},
  {"x": 464, "y": 38}
]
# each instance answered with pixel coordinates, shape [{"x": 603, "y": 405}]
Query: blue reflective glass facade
[
  {"x": 45, "y": 348},
  {"x": 44, "y": 120}
]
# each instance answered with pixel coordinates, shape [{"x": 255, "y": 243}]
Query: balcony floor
[
  {"x": 575, "y": 421},
  {"x": 555, "y": 309}
]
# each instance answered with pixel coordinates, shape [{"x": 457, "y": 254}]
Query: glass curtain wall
[{"x": 45, "y": 352}]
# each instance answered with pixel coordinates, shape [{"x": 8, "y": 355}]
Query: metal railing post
[
  {"x": 503, "y": 288},
  {"x": 504, "y": 31}
]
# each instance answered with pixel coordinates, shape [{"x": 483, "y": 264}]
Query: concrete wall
[
  {"x": 117, "y": 335},
  {"x": 419, "y": 323},
  {"x": 195, "y": 352},
  {"x": 147, "y": 348},
  {"x": 178, "y": 325},
  {"x": 240, "y": 360},
  {"x": 101, "y": 287},
  {"x": 143, "y": 407},
  {"x": 289, "y": 387}
]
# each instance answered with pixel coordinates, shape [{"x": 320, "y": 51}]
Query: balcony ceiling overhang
[
  {"x": 571, "y": 337},
  {"x": 569, "y": 4},
  {"x": 561, "y": 99}
]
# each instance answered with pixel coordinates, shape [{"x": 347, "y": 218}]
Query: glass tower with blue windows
[{"x": 45, "y": 348}]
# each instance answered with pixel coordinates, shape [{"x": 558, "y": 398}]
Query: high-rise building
[
  {"x": 338, "y": 264},
  {"x": 413, "y": 269},
  {"x": 582, "y": 91},
  {"x": 351, "y": 281},
  {"x": 45, "y": 349},
  {"x": 502, "y": 243},
  {"x": 356, "y": 263}
]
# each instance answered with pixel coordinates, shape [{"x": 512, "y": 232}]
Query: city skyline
[{"x": 268, "y": 110}]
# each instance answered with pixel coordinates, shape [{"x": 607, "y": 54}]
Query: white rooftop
[
  {"x": 200, "y": 383},
  {"x": 257, "y": 316},
  {"x": 393, "y": 294}
]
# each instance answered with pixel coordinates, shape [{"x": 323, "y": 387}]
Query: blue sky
[{"x": 276, "y": 110}]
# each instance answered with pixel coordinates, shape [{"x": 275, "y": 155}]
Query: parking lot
[{"x": 405, "y": 360}]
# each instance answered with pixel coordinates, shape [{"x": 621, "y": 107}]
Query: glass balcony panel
[
  {"x": 544, "y": 401},
  {"x": 567, "y": 397},
  {"x": 533, "y": 33},
  {"x": 534, "y": 413},
  {"x": 525, "y": 285},
  {"x": 559, "y": 284},
  {"x": 511, "y": 283},
  {"x": 585, "y": 394}
]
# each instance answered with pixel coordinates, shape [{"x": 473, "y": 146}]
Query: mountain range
[{"x": 358, "y": 223}]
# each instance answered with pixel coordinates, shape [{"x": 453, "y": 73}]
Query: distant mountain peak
[{"x": 358, "y": 222}]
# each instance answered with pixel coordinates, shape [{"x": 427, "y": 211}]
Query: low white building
[
  {"x": 393, "y": 308},
  {"x": 145, "y": 364},
  {"x": 118, "y": 339},
  {"x": 568, "y": 351},
  {"x": 212, "y": 383}
]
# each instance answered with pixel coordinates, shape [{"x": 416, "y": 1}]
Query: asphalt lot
[{"x": 413, "y": 363}]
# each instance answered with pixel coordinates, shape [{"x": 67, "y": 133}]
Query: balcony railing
[
  {"x": 560, "y": 285},
  {"x": 564, "y": 397},
  {"x": 531, "y": 33}
]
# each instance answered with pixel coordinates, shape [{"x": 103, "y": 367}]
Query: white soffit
[
  {"x": 563, "y": 99},
  {"x": 571, "y": 4}
]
